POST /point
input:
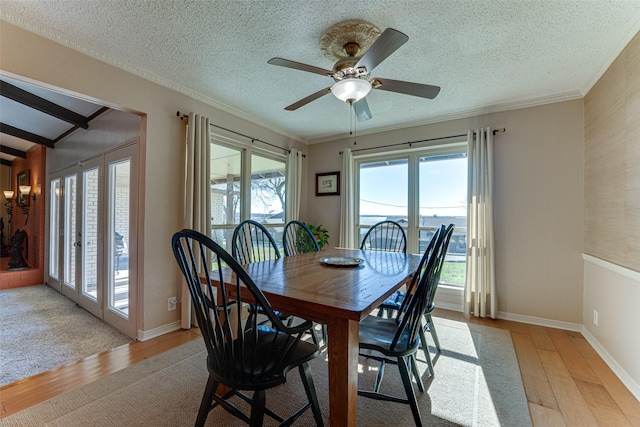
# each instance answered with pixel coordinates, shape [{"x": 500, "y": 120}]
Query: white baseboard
[
  {"x": 156, "y": 332},
  {"x": 576, "y": 327},
  {"x": 556, "y": 324},
  {"x": 624, "y": 376}
]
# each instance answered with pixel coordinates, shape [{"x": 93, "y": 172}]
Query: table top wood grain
[{"x": 304, "y": 286}]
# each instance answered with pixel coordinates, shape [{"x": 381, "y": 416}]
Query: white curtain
[
  {"x": 480, "y": 289},
  {"x": 197, "y": 194},
  {"x": 347, "y": 211},
  {"x": 293, "y": 185}
]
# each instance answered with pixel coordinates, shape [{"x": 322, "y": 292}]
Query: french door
[{"x": 92, "y": 248}]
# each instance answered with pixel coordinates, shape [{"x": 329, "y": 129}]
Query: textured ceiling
[{"x": 486, "y": 55}]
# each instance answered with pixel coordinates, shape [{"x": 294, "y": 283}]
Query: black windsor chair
[
  {"x": 397, "y": 339},
  {"x": 241, "y": 354},
  {"x": 252, "y": 242},
  {"x": 393, "y": 303},
  {"x": 298, "y": 239},
  {"x": 386, "y": 236}
]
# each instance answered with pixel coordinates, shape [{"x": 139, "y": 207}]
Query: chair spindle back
[
  {"x": 387, "y": 236},
  {"x": 298, "y": 239}
]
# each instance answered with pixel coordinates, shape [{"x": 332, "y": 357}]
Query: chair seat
[
  {"x": 394, "y": 301},
  {"x": 377, "y": 333},
  {"x": 256, "y": 371}
]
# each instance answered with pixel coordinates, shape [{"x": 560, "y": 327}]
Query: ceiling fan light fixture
[{"x": 351, "y": 90}]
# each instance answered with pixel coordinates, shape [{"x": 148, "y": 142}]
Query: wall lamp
[
  {"x": 8, "y": 196},
  {"x": 23, "y": 201}
]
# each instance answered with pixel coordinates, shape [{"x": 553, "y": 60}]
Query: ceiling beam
[
  {"x": 75, "y": 128},
  {"x": 5, "y": 162},
  {"x": 13, "y": 152},
  {"x": 31, "y": 137},
  {"x": 30, "y": 100}
]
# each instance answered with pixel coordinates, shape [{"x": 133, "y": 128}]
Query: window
[
  {"x": 245, "y": 184},
  {"x": 383, "y": 193},
  {"x": 419, "y": 190},
  {"x": 55, "y": 225}
]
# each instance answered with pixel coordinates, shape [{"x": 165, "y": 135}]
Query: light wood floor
[{"x": 565, "y": 380}]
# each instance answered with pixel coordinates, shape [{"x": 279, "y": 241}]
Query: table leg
[{"x": 343, "y": 371}]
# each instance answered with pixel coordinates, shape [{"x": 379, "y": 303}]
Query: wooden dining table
[{"x": 338, "y": 296}]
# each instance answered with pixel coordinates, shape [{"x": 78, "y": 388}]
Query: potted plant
[{"x": 320, "y": 233}]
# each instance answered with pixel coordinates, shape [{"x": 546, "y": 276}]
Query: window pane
[
  {"x": 119, "y": 218},
  {"x": 443, "y": 200},
  {"x": 70, "y": 217},
  {"x": 222, "y": 236},
  {"x": 226, "y": 168},
  {"x": 267, "y": 190},
  {"x": 383, "y": 192},
  {"x": 90, "y": 236},
  {"x": 54, "y": 242}
]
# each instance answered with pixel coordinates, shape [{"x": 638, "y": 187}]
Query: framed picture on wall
[
  {"x": 23, "y": 178},
  {"x": 328, "y": 184}
]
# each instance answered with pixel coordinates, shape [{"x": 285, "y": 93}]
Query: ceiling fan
[{"x": 357, "y": 47}]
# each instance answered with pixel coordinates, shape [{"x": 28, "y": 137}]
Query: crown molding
[
  {"x": 58, "y": 37},
  {"x": 147, "y": 75},
  {"x": 533, "y": 102}
]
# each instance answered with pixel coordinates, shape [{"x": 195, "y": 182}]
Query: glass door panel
[
  {"x": 90, "y": 235},
  {"x": 54, "y": 231},
  {"x": 120, "y": 239},
  {"x": 118, "y": 259},
  {"x": 226, "y": 192},
  {"x": 70, "y": 227}
]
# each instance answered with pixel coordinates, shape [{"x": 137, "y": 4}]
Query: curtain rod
[
  {"x": 501, "y": 130},
  {"x": 185, "y": 116}
]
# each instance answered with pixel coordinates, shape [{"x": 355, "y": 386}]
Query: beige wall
[
  {"x": 612, "y": 214},
  {"x": 538, "y": 203},
  {"x": 33, "y": 57}
]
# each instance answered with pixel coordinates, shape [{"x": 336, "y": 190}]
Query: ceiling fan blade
[
  {"x": 300, "y": 66},
  {"x": 388, "y": 42},
  {"x": 308, "y": 99},
  {"x": 361, "y": 108},
  {"x": 408, "y": 88}
]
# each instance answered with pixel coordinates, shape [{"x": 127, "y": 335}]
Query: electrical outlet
[
  {"x": 171, "y": 303},
  {"x": 595, "y": 317}
]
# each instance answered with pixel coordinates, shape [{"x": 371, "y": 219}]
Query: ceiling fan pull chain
[
  {"x": 350, "y": 118},
  {"x": 355, "y": 125}
]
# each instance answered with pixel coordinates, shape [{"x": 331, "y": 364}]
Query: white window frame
[
  {"x": 246, "y": 150},
  {"x": 413, "y": 212}
]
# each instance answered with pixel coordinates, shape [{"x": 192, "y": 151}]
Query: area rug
[
  {"x": 40, "y": 329},
  {"x": 476, "y": 383}
]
